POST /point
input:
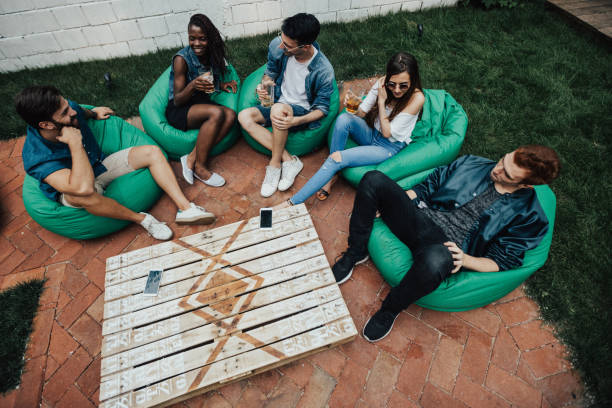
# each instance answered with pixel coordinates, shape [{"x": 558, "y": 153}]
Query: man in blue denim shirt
[
  {"x": 473, "y": 213},
  {"x": 60, "y": 151},
  {"x": 303, "y": 79}
]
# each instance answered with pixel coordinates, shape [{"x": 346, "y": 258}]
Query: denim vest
[
  {"x": 512, "y": 225},
  {"x": 41, "y": 157},
  {"x": 194, "y": 67},
  {"x": 319, "y": 81}
]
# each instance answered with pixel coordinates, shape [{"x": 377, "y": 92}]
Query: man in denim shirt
[
  {"x": 474, "y": 213},
  {"x": 303, "y": 79},
  {"x": 60, "y": 151}
]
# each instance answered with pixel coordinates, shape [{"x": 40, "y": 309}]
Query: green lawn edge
[{"x": 18, "y": 305}]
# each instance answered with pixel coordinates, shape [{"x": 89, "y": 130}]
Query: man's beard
[{"x": 73, "y": 122}]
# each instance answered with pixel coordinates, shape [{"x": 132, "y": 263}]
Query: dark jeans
[{"x": 432, "y": 260}]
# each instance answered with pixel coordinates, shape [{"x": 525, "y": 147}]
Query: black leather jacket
[{"x": 514, "y": 224}]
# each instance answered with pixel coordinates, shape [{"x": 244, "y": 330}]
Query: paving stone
[
  {"x": 476, "y": 396},
  {"x": 266, "y": 381},
  {"x": 285, "y": 395},
  {"x": 381, "y": 380},
  {"x": 32, "y": 382},
  {"x": 12, "y": 262},
  {"x": 13, "y": 203},
  {"x": 563, "y": 389},
  {"x": 41, "y": 333},
  {"x": 65, "y": 376},
  {"x": 232, "y": 392},
  {"x": 20, "y": 277},
  {"x": 414, "y": 371},
  {"x": 447, "y": 324},
  {"x": 88, "y": 333},
  {"x": 445, "y": 366},
  {"x": 332, "y": 361},
  {"x": 251, "y": 397},
  {"x": 512, "y": 388},
  {"x": 52, "y": 239},
  {"x": 515, "y": 294},
  {"x": 518, "y": 311},
  {"x": 78, "y": 305},
  {"x": 62, "y": 344},
  {"x": 66, "y": 252},
  {"x": 532, "y": 335},
  {"x": 475, "y": 359},
  {"x": 399, "y": 400},
  {"x": 481, "y": 319},
  {"x": 74, "y": 281},
  {"x": 74, "y": 398},
  {"x": 89, "y": 381},
  {"x": 39, "y": 259},
  {"x": 548, "y": 360},
  {"x": 6, "y": 248},
  {"x": 505, "y": 351},
  {"x": 318, "y": 390},
  {"x": 95, "y": 271},
  {"x": 117, "y": 242},
  {"x": 52, "y": 366},
  {"x": 350, "y": 385},
  {"x": 434, "y": 397},
  {"x": 299, "y": 371}
]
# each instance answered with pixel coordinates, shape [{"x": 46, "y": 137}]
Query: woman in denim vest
[{"x": 196, "y": 73}]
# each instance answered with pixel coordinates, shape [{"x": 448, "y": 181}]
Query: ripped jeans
[{"x": 373, "y": 148}]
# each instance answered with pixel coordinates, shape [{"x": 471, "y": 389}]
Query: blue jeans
[{"x": 374, "y": 148}]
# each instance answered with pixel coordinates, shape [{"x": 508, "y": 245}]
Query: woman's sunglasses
[{"x": 402, "y": 86}]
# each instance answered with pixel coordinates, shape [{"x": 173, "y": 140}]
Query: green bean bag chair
[
  {"x": 464, "y": 290},
  {"x": 176, "y": 142},
  {"x": 298, "y": 143},
  {"x": 136, "y": 190},
  {"x": 436, "y": 141}
]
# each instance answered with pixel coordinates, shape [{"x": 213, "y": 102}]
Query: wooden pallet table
[{"x": 233, "y": 302}]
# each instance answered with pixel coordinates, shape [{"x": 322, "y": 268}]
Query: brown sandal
[{"x": 322, "y": 194}]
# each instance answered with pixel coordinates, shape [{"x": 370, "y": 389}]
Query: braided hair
[
  {"x": 400, "y": 62},
  {"x": 215, "y": 50}
]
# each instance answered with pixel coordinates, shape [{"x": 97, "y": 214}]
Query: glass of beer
[
  {"x": 267, "y": 100},
  {"x": 208, "y": 77},
  {"x": 353, "y": 100}
]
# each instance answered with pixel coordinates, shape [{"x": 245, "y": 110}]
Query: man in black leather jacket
[{"x": 473, "y": 213}]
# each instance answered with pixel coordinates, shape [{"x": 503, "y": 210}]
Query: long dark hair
[
  {"x": 215, "y": 50},
  {"x": 400, "y": 62}
]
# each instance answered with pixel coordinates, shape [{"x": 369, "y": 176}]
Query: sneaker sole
[
  {"x": 351, "y": 272},
  {"x": 386, "y": 334},
  {"x": 209, "y": 219}
]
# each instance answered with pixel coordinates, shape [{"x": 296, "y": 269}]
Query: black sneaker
[
  {"x": 379, "y": 325},
  {"x": 343, "y": 268}
]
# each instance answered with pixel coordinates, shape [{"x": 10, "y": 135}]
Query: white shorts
[{"x": 116, "y": 164}]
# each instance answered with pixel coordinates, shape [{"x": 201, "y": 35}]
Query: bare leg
[
  {"x": 152, "y": 158},
  {"x": 102, "y": 206},
  {"x": 210, "y": 119},
  {"x": 251, "y": 121}
]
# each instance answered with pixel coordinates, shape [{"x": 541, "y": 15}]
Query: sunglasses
[
  {"x": 285, "y": 46},
  {"x": 403, "y": 86}
]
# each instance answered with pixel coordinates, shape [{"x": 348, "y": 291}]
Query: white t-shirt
[
  {"x": 402, "y": 124},
  {"x": 293, "y": 87}
]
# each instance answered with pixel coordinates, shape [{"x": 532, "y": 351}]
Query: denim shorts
[{"x": 297, "y": 111}]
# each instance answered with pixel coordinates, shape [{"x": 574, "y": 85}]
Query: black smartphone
[
  {"x": 265, "y": 218},
  {"x": 153, "y": 281}
]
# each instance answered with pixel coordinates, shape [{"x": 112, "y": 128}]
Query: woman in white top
[{"x": 382, "y": 126}]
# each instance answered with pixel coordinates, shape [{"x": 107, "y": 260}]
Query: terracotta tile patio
[{"x": 501, "y": 355}]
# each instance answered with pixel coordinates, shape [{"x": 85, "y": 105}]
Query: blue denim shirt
[
  {"x": 41, "y": 157},
  {"x": 514, "y": 224},
  {"x": 194, "y": 68},
  {"x": 319, "y": 81}
]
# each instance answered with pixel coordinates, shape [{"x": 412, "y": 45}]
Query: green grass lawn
[
  {"x": 18, "y": 305},
  {"x": 523, "y": 76}
]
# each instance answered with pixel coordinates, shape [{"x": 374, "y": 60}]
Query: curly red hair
[{"x": 542, "y": 162}]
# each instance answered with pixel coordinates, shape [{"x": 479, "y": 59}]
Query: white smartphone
[
  {"x": 153, "y": 281},
  {"x": 265, "y": 218}
]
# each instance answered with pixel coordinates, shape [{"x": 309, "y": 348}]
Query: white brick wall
[{"x": 37, "y": 33}]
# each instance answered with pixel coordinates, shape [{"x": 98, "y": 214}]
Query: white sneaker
[
  {"x": 215, "y": 180},
  {"x": 194, "y": 215},
  {"x": 155, "y": 228},
  {"x": 187, "y": 172},
  {"x": 270, "y": 183},
  {"x": 290, "y": 170}
]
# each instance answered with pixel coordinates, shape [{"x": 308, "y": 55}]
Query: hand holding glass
[
  {"x": 266, "y": 93},
  {"x": 353, "y": 100},
  {"x": 208, "y": 77}
]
